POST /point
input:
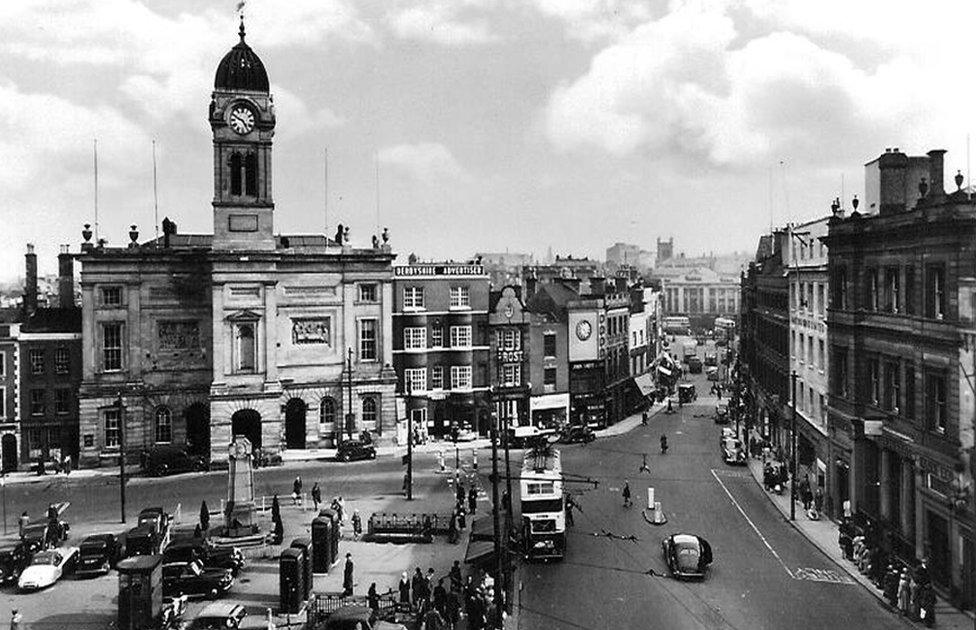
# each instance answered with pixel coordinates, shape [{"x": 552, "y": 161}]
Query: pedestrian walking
[
  {"x": 15, "y": 619},
  {"x": 457, "y": 581},
  {"x": 316, "y": 496},
  {"x": 434, "y": 620},
  {"x": 296, "y": 490},
  {"x": 357, "y": 524},
  {"x": 670, "y": 408},
  {"x": 453, "y": 608},
  {"x": 373, "y": 598},
  {"x": 903, "y": 592},
  {"x": 472, "y": 499},
  {"x": 644, "y": 418},
  {"x": 644, "y": 467},
  {"x": 626, "y": 493},
  {"x": 404, "y": 588},
  {"x": 926, "y": 602},
  {"x": 459, "y": 492},
  {"x": 462, "y": 521},
  {"x": 347, "y": 576},
  {"x": 452, "y": 528},
  {"x": 891, "y": 586},
  {"x": 818, "y": 499},
  {"x": 23, "y": 522},
  {"x": 440, "y": 597},
  {"x": 417, "y": 589}
]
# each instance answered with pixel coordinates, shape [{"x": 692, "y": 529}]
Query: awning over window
[
  {"x": 663, "y": 370},
  {"x": 645, "y": 383},
  {"x": 479, "y": 551}
]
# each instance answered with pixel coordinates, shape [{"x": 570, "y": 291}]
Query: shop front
[{"x": 549, "y": 410}]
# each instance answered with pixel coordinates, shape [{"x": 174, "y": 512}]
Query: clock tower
[{"x": 242, "y": 119}]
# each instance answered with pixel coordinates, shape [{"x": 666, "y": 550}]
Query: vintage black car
[
  {"x": 141, "y": 541},
  {"x": 354, "y": 449},
  {"x": 13, "y": 559},
  {"x": 154, "y": 518},
  {"x": 694, "y": 365},
  {"x": 577, "y": 433},
  {"x": 687, "y": 393},
  {"x": 191, "y": 578},
  {"x": 209, "y": 556},
  {"x": 36, "y": 537},
  {"x": 711, "y": 359},
  {"x": 99, "y": 554},
  {"x": 168, "y": 460},
  {"x": 687, "y": 555},
  {"x": 722, "y": 413}
]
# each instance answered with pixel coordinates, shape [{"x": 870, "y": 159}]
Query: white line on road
[{"x": 753, "y": 525}]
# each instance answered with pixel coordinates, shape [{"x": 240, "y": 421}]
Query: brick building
[
  {"x": 441, "y": 345},
  {"x": 509, "y": 356},
  {"x": 900, "y": 415},
  {"x": 549, "y": 354}
]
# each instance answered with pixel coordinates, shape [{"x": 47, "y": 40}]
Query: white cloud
[
  {"x": 301, "y": 119},
  {"x": 591, "y": 20},
  {"x": 425, "y": 161},
  {"x": 439, "y": 22},
  {"x": 692, "y": 83}
]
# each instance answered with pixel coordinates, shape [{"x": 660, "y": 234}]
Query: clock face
[
  {"x": 509, "y": 310},
  {"x": 583, "y": 330},
  {"x": 241, "y": 119}
]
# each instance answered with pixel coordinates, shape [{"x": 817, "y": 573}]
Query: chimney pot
[
  {"x": 30, "y": 286},
  {"x": 937, "y": 173}
]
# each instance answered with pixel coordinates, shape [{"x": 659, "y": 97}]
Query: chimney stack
[
  {"x": 598, "y": 285},
  {"x": 893, "y": 167},
  {"x": 621, "y": 284},
  {"x": 30, "y": 286},
  {"x": 530, "y": 285},
  {"x": 66, "y": 278},
  {"x": 936, "y": 173}
]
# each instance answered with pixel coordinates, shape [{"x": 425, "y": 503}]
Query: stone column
[
  {"x": 908, "y": 517},
  {"x": 220, "y": 343},
  {"x": 270, "y": 332}
]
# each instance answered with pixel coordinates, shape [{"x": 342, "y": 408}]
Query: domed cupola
[{"x": 241, "y": 69}]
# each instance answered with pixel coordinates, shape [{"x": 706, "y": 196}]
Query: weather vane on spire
[{"x": 240, "y": 12}]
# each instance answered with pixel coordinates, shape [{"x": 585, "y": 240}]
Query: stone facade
[{"x": 242, "y": 332}]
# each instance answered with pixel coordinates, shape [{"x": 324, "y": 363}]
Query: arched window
[
  {"x": 246, "y": 348},
  {"x": 164, "y": 425},
  {"x": 251, "y": 175},
  {"x": 327, "y": 410},
  {"x": 369, "y": 409},
  {"x": 235, "y": 173}
]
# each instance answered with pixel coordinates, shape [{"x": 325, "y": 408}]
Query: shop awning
[
  {"x": 663, "y": 370},
  {"x": 483, "y": 529},
  {"x": 479, "y": 551},
  {"x": 645, "y": 383}
]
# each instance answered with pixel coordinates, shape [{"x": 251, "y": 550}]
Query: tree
[
  {"x": 204, "y": 516},
  {"x": 279, "y": 532}
]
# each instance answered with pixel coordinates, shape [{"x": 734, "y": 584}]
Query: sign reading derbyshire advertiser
[{"x": 439, "y": 270}]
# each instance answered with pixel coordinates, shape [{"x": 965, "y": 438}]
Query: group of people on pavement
[
  {"x": 459, "y": 514},
  {"x": 436, "y": 607},
  {"x": 907, "y": 589}
]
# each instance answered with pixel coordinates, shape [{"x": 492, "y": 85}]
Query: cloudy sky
[{"x": 488, "y": 124}]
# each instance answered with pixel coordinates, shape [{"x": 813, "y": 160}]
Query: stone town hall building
[{"x": 284, "y": 339}]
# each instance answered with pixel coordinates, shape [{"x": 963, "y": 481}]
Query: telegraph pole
[
  {"x": 121, "y": 407},
  {"x": 409, "y": 440},
  {"x": 793, "y": 376},
  {"x": 496, "y": 525}
]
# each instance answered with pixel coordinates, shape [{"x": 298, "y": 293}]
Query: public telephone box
[
  {"x": 305, "y": 546},
  {"x": 323, "y": 549},
  {"x": 140, "y": 592}
]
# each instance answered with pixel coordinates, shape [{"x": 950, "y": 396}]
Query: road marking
[
  {"x": 751, "y": 524},
  {"x": 821, "y": 575},
  {"x": 739, "y": 474}
]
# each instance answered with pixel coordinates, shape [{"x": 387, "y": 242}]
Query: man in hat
[{"x": 15, "y": 619}]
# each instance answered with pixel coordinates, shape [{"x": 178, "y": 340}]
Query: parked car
[
  {"x": 577, "y": 433},
  {"x": 520, "y": 437},
  {"x": 219, "y": 616},
  {"x": 13, "y": 560},
  {"x": 154, "y": 518},
  {"x": 47, "y": 567},
  {"x": 711, "y": 373},
  {"x": 722, "y": 413},
  {"x": 687, "y": 393},
  {"x": 694, "y": 365},
  {"x": 727, "y": 432},
  {"x": 141, "y": 541},
  {"x": 169, "y": 460},
  {"x": 687, "y": 555},
  {"x": 711, "y": 359},
  {"x": 732, "y": 452},
  {"x": 98, "y": 554},
  {"x": 210, "y": 556},
  {"x": 191, "y": 578},
  {"x": 353, "y": 617},
  {"x": 354, "y": 449},
  {"x": 36, "y": 537},
  {"x": 264, "y": 458}
]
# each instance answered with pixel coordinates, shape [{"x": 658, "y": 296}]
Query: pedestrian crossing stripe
[{"x": 821, "y": 575}]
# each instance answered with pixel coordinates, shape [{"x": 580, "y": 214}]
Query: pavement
[{"x": 823, "y": 533}]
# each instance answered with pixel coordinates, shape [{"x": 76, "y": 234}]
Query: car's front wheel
[{"x": 214, "y": 593}]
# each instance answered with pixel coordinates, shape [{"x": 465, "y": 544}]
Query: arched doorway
[
  {"x": 197, "y": 418},
  {"x": 295, "y": 412},
  {"x": 8, "y": 450},
  {"x": 247, "y": 422}
]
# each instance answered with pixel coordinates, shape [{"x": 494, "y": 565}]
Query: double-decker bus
[
  {"x": 542, "y": 502},
  {"x": 676, "y": 324},
  {"x": 724, "y": 329}
]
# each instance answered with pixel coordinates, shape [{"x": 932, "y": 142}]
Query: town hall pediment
[{"x": 245, "y": 315}]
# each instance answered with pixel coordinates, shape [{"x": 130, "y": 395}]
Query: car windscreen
[
  {"x": 46, "y": 557},
  {"x": 210, "y": 623},
  {"x": 93, "y": 546},
  {"x": 687, "y": 557}
]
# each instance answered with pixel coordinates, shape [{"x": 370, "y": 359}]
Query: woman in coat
[
  {"x": 903, "y": 592},
  {"x": 404, "y": 588}
]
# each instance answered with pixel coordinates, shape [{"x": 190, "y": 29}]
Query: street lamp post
[
  {"x": 409, "y": 441},
  {"x": 793, "y": 457},
  {"x": 496, "y": 521}
]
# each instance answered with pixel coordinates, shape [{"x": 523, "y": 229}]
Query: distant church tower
[
  {"x": 665, "y": 249},
  {"x": 243, "y": 120}
]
